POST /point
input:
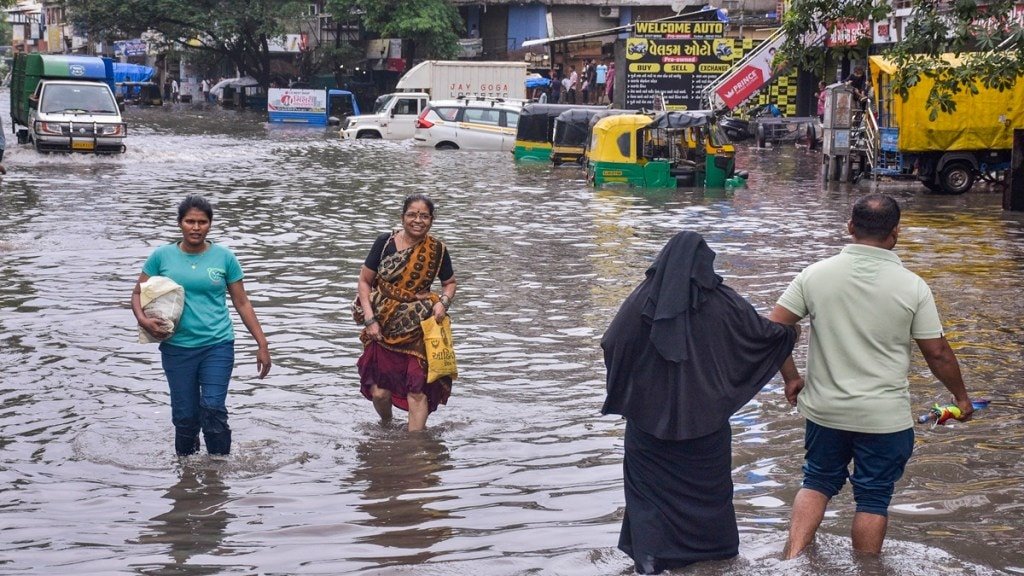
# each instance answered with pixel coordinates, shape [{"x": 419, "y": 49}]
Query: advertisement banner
[
  {"x": 297, "y": 100},
  {"x": 288, "y": 43},
  {"x": 135, "y": 47},
  {"x": 55, "y": 39},
  {"x": 743, "y": 83},
  {"x": 848, "y": 33},
  {"x": 677, "y": 69}
]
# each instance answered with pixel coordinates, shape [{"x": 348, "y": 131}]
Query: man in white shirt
[{"x": 574, "y": 85}]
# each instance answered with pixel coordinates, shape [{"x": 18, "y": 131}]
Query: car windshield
[
  {"x": 379, "y": 103},
  {"x": 77, "y": 99}
]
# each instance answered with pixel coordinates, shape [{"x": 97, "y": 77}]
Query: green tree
[
  {"x": 5, "y": 33},
  {"x": 239, "y": 30},
  {"x": 430, "y": 28},
  {"x": 990, "y": 43}
]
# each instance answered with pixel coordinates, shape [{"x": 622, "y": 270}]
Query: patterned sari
[{"x": 398, "y": 362}]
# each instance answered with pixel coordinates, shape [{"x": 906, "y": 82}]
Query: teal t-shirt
[{"x": 205, "y": 319}]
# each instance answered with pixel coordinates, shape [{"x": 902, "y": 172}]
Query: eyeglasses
[{"x": 418, "y": 215}]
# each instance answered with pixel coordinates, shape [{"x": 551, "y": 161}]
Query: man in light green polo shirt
[{"x": 864, "y": 308}]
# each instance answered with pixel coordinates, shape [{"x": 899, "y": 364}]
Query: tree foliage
[
  {"x": 238, "y": 30},
  {"x": 988, "y": 43},
  {"x": 431, "y": 28}
]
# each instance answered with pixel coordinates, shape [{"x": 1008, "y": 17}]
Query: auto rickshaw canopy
[
  {"x": 613, "y": 138},
  {"x": 572, "y": 127},
  {"x": 681, "y": 119},
  {"x": 536, "y": 120}
]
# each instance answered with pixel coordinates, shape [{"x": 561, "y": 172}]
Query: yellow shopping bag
[{"x": 440, "y": 352}]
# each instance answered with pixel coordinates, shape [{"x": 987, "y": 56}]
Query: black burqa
[{"x": 683, "y": 354}]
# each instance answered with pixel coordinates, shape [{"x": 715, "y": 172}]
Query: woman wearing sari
[
  {"x": 683, "y": 354},
  {"x": 394, "y": 297}
]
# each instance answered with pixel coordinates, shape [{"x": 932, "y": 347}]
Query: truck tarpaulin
[{"x": 982, "y": 121}]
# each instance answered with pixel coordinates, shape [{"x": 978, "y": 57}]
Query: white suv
[{"x": 468, "y": 123}]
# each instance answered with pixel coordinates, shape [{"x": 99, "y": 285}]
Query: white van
[{"x": 73, "y": 116}]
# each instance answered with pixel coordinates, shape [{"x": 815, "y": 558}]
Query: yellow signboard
[{"x": 644, "y": 68}]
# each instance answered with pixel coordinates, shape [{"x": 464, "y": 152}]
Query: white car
[{"x": 468, "y": 124}]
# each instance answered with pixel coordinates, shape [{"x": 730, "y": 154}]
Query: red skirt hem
[{"x": 401, "y": 374}]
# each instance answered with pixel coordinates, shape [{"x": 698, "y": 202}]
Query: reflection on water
[
  {"x": 399, "y": 476},
  {"x": 194, "y": 526},
  {"x": 519, "y": 474}
]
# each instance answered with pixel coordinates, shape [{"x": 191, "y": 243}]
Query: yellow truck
[{"x": 950, "y": 153}]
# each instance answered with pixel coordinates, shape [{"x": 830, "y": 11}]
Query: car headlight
[
  {"x": 49, "y": 128},
  {"x": 350, "y": 123},
  {"x": 111, "y": 130}
]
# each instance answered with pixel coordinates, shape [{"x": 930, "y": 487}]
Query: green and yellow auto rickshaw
[
  {"x": 572, "y": 133},
  {"x": 535, "y": 129},
  {"x": 669, "y": 150}
]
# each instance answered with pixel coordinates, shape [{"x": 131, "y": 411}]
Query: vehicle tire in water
[
  {"x": 446, "y": 146},
  {"x": 956, "y": 178},
  {"x": 369, "y": 135}
]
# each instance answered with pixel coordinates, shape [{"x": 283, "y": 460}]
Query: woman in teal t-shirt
[{"x": 199, "y": 356}]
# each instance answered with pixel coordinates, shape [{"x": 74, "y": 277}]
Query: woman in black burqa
[{"x": 683, "y": 354}]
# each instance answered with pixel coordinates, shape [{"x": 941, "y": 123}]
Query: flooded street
[{"x": 519, "y": 473}]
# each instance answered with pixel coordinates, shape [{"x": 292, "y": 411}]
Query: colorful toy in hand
[{"x": 940, "y": 413}]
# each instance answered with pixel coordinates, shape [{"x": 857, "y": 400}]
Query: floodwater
[{"x": 519, "y": 473}]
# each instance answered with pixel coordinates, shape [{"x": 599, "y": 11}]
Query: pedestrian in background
[
  {"x": 609, "y": 90},
  {"x": 683, "y": 354},
  {"x": 600, "y": 79},
  {"x": 566, "y": 86},
  {"x": 199, "y": 356},
  {"x": 591, "y": 80},
  {"x": 3, "y": 147},
  {"x": 174, "y": 90},
  {"x": 574, "y": 85},
  {"x": 555, "y": 89},
  {"x": 822, "y": 94},
  {"x": 866, "y": 308},
  {"x": 858, "y": 82}
]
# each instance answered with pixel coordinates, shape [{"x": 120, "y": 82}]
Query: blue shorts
[{"x": 878, "y": 462}]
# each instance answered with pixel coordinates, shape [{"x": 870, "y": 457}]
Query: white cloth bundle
[{"x": 164, "y": 299}]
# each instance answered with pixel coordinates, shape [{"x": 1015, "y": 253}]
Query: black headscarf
[{"x": 685, "y": 351}]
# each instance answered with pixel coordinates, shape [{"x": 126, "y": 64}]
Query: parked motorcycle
[
  {"x": 739, "y": 129},
  {"x": 736, "y": 129}
]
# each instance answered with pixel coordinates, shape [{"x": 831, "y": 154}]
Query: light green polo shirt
[{"x": 865, "y": 309}]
